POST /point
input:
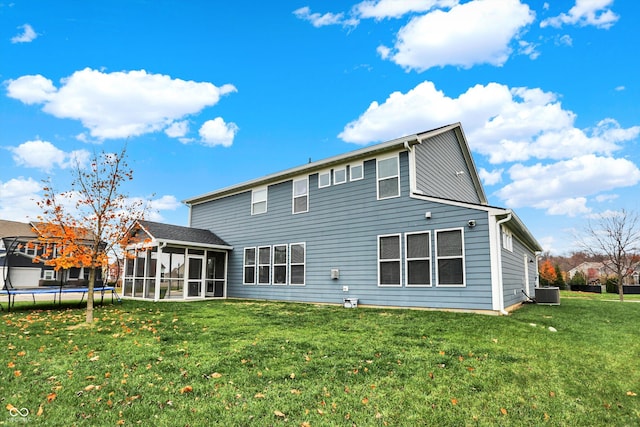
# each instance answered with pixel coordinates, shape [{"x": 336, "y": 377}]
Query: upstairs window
[
  {"x": 450, "y": 258},
  {"x": 340, "y": 176},
  {"x": 324, "y": 179},
  {"x": 356, "y": 172},
  {"x": 388, "y": 173},
  {"x": 301, "y": 195},
  {"x": 507, "y": 239},
  {"x": 389, "y": 260},
  {"x": 259, "y": 201}
]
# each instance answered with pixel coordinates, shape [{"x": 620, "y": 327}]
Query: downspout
[
  {"x": 412, "y": 167},
  {"x": 500, "y": 276}
]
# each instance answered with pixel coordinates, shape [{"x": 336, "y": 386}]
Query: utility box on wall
[
  {"x": 335, "y": 274},
  {"x": 350, "y": 302}
]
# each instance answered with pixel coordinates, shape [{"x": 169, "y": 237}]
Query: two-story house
[{"x": 404, "y": 223}]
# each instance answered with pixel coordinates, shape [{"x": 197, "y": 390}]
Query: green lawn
[{"x": 257, "y": 363}]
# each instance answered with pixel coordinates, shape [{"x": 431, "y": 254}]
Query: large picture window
[
  {"x": 418, "y": 259},
  {"x": 297, "y": 263},
  {"x": 389, "y": 260},
  {"x": 450, "y": 257},
  {"x": 388, "y": 173},
  {"x": 300, "y": 195},
  {"x": 259, "y": 201},
  {"x": 249, "y": 275}
]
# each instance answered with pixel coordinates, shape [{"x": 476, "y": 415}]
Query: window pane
[
  {"x": 249, "y": 256},
  {"x": 418, "y": 246},
  {"x": 300, "y": 187},
  {"x": 300, "y": 204},
  {"x": 280, "y": 254},
  {"x": 259, "y": 195},
  {"x": 280, "y": 274},
  {"x": 450, "y": 271},
  {"x": 419, "y": 272},
  {"x": 249, "y": 274},
  {"x": 390, "y": 247},
  {"x": 450, "y": 243},
  {"x": 297, "y": 274},
  {"x": 388, "y": 188},
  {"x": 297, "y": 254},
  {"x": 324, "y": 179},
  {"x": 259, "y": 208},
  {"x": 390, "y": 273},
  {"x": 340, "y": 176},
  {"x": 356, "y": 172},
  {"x": 264, "y": 255},
  {"x": 387, "y": 167},
  {"x": 263, "y": 274}
]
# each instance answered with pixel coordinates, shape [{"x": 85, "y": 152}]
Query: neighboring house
[
  {"x": 19, "y": 247},
  {"x": 405, "y": 223},
  {"x": 595, "y": 271}
]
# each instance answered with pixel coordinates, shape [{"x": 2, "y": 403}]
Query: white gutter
[{"x": 500, "y": 277}]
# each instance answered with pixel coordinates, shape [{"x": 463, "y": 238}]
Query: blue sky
[{"x": 208, "y": 94}]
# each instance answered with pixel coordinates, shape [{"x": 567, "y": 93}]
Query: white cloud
[
  {"x": 118, "y": 104},
  {"x": 381, "y": 9},
  {"x": 596, "y": 13},
  {"x": 321, "y": 20},
  {"x": 217, "y": 132},
  {"x": 562, "y": 187},
  {"x": 505, "y": 124},
  {"x": 45, "y": 156},
  {"x": 490, "y": 177},
  {"x": 27, "y": 35},
  {"x": 177, "y": 129},
  {"x": 18, "y": 198},
  {"x": 477, "y": 32}
]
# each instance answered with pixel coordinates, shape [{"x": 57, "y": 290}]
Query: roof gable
[{"x": 180, "y": 234}]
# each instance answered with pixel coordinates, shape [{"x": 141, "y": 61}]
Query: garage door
[{"x": 22, "y": 277}]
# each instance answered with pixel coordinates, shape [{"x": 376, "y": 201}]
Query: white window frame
[
  {"x": 49, "y": 275},
  {"x": 303, "y": 264},
  {"x": 254, "y": 265},
  {"x": 389, "y": 260},
  {"x": 380, "y": 179},
  {"x": 507, "y": 239},
  {"x": 294, "y": 197},
  {"x": 261, "y": 264},
  {"x": 437, "y": 258},
  {"x": 407, "y": 260},
  {"x": 356, "y": 165},
  {"x": 335, "y": 178},
  {"x": 275, "y": 264},
  {"x": 326, "y": 174},
  {"x": 255, "y": 201}
]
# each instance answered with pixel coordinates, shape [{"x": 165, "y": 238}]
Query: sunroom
[{"x": 171, "y": 263}]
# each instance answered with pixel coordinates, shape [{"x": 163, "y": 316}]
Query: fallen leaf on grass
[
  {"x": 454, "y": 401},
  {"x": 216, "y": 375},
  {"x": 186, "y": 389},
  {"x": 40, "y": 411},
  {"x": 259, "y": 396},
  {"x": 630, "y": 393},
  {"x": 279, "y": 414},
  {"x": 503, "y": 411},
  {"x": 51, "y": 397}
]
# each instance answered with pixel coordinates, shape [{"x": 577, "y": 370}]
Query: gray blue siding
[
  {"x": 340, "y": 231},
  {"x": 437, "y": 161},
  {"x": 514, "y": 271}
]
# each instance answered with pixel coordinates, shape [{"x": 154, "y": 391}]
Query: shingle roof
[
  {"x": 15, "y": 229},
  {"x": 180, "y": 234}
]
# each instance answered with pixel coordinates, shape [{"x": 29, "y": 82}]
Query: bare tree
[
  {"x": 616, "y": 236},
  {"x": 88, "y": 221}
]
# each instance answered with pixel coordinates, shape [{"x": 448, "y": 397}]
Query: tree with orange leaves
[
  {"x": 90, "y": 220},
  {"x": 547, "y": 273}
]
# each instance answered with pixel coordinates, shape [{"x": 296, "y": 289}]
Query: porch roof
[{"x": 189, "y": 236}]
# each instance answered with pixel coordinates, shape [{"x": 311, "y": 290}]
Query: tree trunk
[
  {"x": 621, "y": 287},
  {"x": 92, "y": 281}
]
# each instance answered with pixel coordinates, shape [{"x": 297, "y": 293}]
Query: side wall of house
[
  {"x": 441, "y": 170},
  {"x": 340, "y": 231},
  {"x": 518, "y": 273}
]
